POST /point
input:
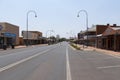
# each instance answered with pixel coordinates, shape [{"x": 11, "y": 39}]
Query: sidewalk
[
  {"x": 16, "y": 47},
  {"x": 22, "y": 46},
  {"x": 109, "y": 52}
]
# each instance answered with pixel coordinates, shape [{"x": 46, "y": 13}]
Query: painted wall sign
[{"x": 9, "y": 34}]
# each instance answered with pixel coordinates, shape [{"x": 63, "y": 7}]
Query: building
[
  {"x": 108, "y": 37},
  {"x": 101, "y": 36},
  {"x": 9, "y": 34},
  {"x": 81, "y": 37},
  {"x": 91, "y": 36},
  {"x": 32, "y": 37},
  {"x": 21, "y": 41},
  {"x": 111, "y": 38},
  {"x": 88, "y": 37},
  {"x": 99, "y": 30}
]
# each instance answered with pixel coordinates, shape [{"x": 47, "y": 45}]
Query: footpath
[
  {"x": 22, "y": 46},
  {"x": 109, "y": 52},
  {"x": 16, "y": 47}
]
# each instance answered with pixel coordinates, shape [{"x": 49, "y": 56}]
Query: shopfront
[
  {"x": 7, "y": 39},
  {"x": 1, "y": 41},
  {"x": 112, "y": 40},
  {"x": 9, "y": 34}
]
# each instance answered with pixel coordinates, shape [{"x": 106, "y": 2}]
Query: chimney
[
  {"x": 108, "y": 24},
  {"x": 114, "y": 25}
]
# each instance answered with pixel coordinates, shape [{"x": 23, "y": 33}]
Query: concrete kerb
[
  {"x": 109, "y": 52},
  {"x": 23, "y": 46},
  {"x": 16, "y": 47},
  {"x": 85, "y": 48}
]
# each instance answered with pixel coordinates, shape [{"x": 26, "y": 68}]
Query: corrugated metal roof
[
  {"x": 93, "y": 28},
  {"x": 115, "y": 28},
  {"x": 99, "y": 35}
]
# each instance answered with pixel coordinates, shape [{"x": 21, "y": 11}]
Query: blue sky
[{"x": 59, "y": 15}]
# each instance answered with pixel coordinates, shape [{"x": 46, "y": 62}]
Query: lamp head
[
  {"x": 52, "y": 30},
  {"x": 35, "y": 15}
]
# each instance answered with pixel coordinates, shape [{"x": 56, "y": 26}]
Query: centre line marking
[
  {"x": 105, "y": 67},
  {"x": 21, "y": 61},
  {"x": 68, "y": 71}
]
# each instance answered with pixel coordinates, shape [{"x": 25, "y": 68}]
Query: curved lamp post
[
  {"x": 67, "y": 34},
  {"x": 50, "y": 33},
  {"x": 86, "y": 23},
  {"x": 30, "y": 11}
]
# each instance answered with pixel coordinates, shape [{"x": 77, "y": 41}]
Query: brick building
[
  {"x": 112, "y": 38},
  {"x": 108, "y": 37},
  {"x": 102, "y": 36},
  {"x": 99, "y": 38}
]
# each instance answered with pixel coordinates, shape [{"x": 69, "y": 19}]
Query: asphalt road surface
[{"x": 57, "y": 62}]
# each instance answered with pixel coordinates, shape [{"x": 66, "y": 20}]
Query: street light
[
  {"x": 86, "y": 23},
  {"x": 67, "y": 35},
  {"x": 50, "y": 33},
  {"x": 30, "y": 11}
]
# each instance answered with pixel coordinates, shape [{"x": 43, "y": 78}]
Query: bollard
[
  {"x": 12, "y": 46},
  {"x": 4, "y": 47}
]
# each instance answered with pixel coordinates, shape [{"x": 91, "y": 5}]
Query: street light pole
[
  {"x": 86, "y": 23},
  {"x": 50, "y": 33},
  {"x": 30, "y": 11}
]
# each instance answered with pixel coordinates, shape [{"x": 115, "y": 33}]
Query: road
[{"x": 57, "y": 62}]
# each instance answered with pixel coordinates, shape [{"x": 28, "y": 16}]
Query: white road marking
[
  {"x": 68, "y": 71},
  {"x": 21, "y": 61},
  {"x": 105, "y": 67}
]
